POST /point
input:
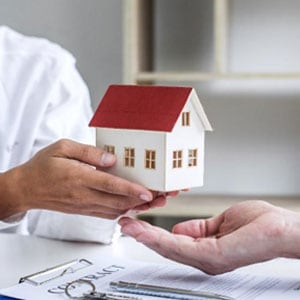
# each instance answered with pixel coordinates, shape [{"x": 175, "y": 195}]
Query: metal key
[{"x": 92, "y": 294}]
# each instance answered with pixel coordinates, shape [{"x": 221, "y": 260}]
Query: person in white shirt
[{"x": 59, "y": 191}]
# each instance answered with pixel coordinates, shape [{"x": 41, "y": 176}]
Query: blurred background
[{"x": 254, "y": 148}]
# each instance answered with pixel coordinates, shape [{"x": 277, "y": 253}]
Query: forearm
[{"x": 10, "y": 194}]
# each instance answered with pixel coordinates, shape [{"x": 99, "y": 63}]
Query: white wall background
[
  {"x": 90, "y": 29},
  {"x": 254, "y": 149}
]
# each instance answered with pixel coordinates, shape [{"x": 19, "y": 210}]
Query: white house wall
[
  {"x": 185, "y": 138},
  {"x": 139, "y": 140}
]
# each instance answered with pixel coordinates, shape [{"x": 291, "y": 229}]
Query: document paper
[{"x": 278, "y": 279}]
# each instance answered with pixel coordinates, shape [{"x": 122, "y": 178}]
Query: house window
[
  {"x": 185, "y": 120},
  {"x": 129, "y": 157},
  {"x": 192, "y": 157},
  {"x": 177, "y": 159},
  {"x": 109, "y": 149},
  {"x": 150, "y": 158}
]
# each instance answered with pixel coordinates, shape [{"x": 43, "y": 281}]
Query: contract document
[{"x": 274, "y": 280}]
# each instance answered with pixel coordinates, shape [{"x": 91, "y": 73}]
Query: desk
[{"x": 24, "y": 255}]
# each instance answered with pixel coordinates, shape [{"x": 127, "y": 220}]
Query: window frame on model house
[
  {"x": 193, "y": 157},
  {"x": 109, "y": 149},
  {"x": 150, "y": 159},
  {"x": 177, "y": 159},
  {"x": 186, "y": 118},
  {"x": 129, "y": 157}
]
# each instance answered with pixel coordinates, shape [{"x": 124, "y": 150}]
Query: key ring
[{"x": 79, "y": 282}]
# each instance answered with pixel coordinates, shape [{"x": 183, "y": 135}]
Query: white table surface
[{"x": 25, "y": 255}]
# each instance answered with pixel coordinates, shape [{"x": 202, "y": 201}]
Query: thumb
[{"x": 85, "y": 153}]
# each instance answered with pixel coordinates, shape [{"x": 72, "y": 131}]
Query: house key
[{"x": 85, "y": 290}]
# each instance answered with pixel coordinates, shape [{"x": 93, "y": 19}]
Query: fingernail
[
  {"x": 107, "y": 159},
  {"x": 145, "y": 197},
  {"x": 123, "y": 221}
]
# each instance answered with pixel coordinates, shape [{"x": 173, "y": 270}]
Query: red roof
[{"x": 140, "y": 107}]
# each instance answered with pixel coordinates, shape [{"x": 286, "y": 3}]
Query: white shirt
[{"x": 42, "y": 99}]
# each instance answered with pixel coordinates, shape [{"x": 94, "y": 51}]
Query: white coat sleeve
[{"x": 67, "y": 116}]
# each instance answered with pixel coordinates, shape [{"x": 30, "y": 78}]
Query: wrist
[
  {"x": 291, "y": 239},
  {"x": 10, "y": 194}
]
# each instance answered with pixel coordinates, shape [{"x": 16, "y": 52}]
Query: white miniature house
[{"x": 156, "y": 132}]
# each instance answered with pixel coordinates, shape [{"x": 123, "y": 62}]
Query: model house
[{"x": 157, "y": 133}]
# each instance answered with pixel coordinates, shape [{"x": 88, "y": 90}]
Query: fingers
[
  {"x": 111, "y": 184},
  {"x": 172, "y": 193},
  {"x": 157, "y": 202},
  {"x": 211, "y": 255},
  {"x": 85, "y": 153},
  {"x": 200, "y": 228},
  {"x": 100, "y": 180},
  {"x": 204, "y": 254},
  {"x": 91, "y": 203},
  {"x": 103, "y": 192},
  {"x": 93, "y": 211},
  {"x": 133, "y": 227}
]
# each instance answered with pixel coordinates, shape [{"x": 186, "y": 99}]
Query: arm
[
  {"x": 10, "y": 207},
  {"x": 246, "y": 233}
]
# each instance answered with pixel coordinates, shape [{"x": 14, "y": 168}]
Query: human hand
[
  {"x": 68, "y": 177},
  {"x": 246, "y": 233},
  {"x": 159, "y": 201}
]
